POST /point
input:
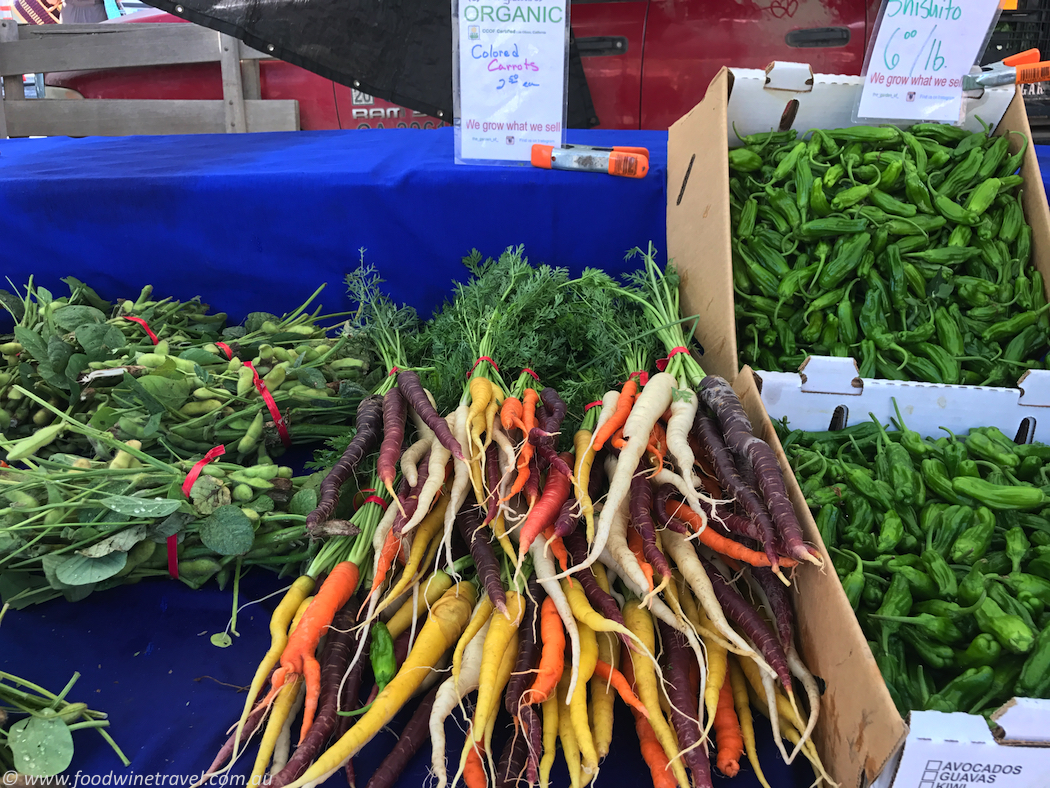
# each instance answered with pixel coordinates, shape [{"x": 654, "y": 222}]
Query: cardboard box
[
  {"x": 860, "y": 733},
  {"x": 786, "y": 95}
]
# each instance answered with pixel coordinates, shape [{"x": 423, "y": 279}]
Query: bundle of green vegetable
[
  {"x": 171, "y": 376},
  {"x": 36, "y": 726},
  {"x": 943, "y": 548},
  {"x": 905, "y": 249}
]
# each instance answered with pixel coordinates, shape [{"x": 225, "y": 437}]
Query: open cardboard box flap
[{"x": 860, "y": 729}]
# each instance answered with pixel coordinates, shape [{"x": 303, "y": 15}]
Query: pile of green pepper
[
  {"x": 905, "y": 249},
  {"x": 943, "y": 549}
]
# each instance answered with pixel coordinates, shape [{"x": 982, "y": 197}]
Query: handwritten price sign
[
  {"x": 918, "y": 59},
  {"x": 510, "y": 80}
]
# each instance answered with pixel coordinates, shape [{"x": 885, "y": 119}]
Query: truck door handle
[
  {"x": 602, "y": 46},
  {"x": 809, "y": 37}
]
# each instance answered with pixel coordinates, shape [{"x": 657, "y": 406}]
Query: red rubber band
[
  {"x": 393, "y": 371},
  {"x": 225, "y": 349},
  {"x": 187, "y": 485},
  {"x": 278, "y": 419},
  {"x": 643, "y": 377},
  {"x": 590, "y": 405},
  {"x": 145, "y": 327},
  {"x": 534, "y": 375},
  {"x": 376, "y": 500},
  {"x": 661, "y": 363},
  {"x": 483, "y": 358}
]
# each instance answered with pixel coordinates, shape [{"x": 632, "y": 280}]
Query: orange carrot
[
  {"x": 557, "y": 546},
  {"x": 510, "y": 413},
  {"x": 546, "y": 509},
  {"x": 728, "y": 737},
  {"x": 298, "y": 657},
  {"x": 657, "y": 446},
  {"x": 651, "y": 749},
  {"x": 619, "y": 417},
  {"x": 528, "y": 421},
  {"x": 717, "y": 542},
  {"x": 552, "y": 655},
  {"x": 474, "y": 770},
  {"x": 607, "y": 672},
  {"x": 634, "y": 541},
  {"x": 617, "y": 440},
  {"x": 385, "y": 559}
]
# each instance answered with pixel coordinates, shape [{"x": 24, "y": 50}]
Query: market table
[{"x": 258, "y": 221}]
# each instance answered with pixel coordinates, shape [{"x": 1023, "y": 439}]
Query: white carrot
[
  {"x": 461, "y": 481},
  {"x": 683, "y": 410},
  {"x": 684, "y": 555},
  {"x": 439, "y": 457},
  {"x": 650, "y": 405},
  {"x": 411, "y": 457}
]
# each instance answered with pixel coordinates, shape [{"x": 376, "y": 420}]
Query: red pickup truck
[{"x": 647, "y": 61}]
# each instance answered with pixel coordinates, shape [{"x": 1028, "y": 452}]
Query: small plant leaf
[
  {"x": 311, "y": 377},
  {"x": 42, "y": 746},
  {"x": 70, "y": 318},
  {"x": 78, "y": 570},
  {"x": 140, "y": 507},
  {"x": 221, "y": 639},
  {"x": 228, "y": 531},
  {"x": 31, "y": 342},
  {"x": 303, "y": 502},
  {"x": 119, "y": 542},
  {"x": 99, "y": 340}
]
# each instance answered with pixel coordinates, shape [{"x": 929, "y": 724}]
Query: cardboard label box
[{"x": 860, "y": 734}]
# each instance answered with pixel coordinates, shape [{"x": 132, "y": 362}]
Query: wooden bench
[{"x": 32, "y": 49}]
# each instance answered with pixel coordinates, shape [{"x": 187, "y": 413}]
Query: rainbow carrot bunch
[{"x": 530, "y": 555}]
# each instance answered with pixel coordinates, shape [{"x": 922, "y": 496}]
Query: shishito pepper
[
  {"x": 827, "y": 524},
  {"x": 1029, "y": 584},
  {"x": 1036, "y": 668},
  {"x": 936, "y": 655},
  {"x": 955, "y": 520},
  {"x": 1012, "y": 633},
  {"x": 890, "y": 532},
  {"x": 939, "y": 628},
  {"x": 1017, "y": 547},
  {"x": 937, "y": 568},
  {"x": 983, "y": 650},
  {"x": 999, "y": 497},
  {"x": 962, "y": 692},
  {"x": 975, "y": 540},
  {"x": 896, "y": 602}
]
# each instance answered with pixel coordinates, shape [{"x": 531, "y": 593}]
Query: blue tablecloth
[{"x": 257, "y": 222}]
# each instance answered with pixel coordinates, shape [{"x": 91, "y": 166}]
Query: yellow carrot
[
  {"x": 581, "y": 475},
  {"x": 431, "y": 591},
  {"x": 480, "y": 396},
  {"x": 585, "y": 614},
  {"x": 578, "y": 702},
  {"x": 443, "y": 627},
  {"x": 603, "y": 696},
  {"x": 499, "y": 527},
  {"x": 743, "y": 712},
  {"x": 279, "y": 625},
  {"x": 640, "y": 623},
  {"x": 428, "y": 528},
  {"x": 501, "y": 631},
  {"x": 567, "y": 734},
  {"x": 551, "y": 717},
  {"x": 282, "y": 707}
]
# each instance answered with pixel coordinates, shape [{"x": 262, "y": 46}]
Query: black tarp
[{"x": 397, "y": 50}]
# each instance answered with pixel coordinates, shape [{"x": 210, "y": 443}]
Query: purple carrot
[
  {"x": 410, "y": 385},
  {"x": 369, "y": 423},
  {"x": 719, "y": 396},
  {"x": 250, "y": 726},
  {"x": 567, "y": 518},
  {"x": 780, "y": 604},
  {"x": 528, "y": 649},
  {"x": 751, "y": 623},
  {"x": 555, "y": 408},
  {"x": 530, "y": 720},
  {"x": 410, "y": 501},
  {"x": 394, "y": 411},
  {"x": 350, "y": 698},
  {"x": 416, "y": 732},
  {"x": 335, "y": 656},
  {"x": 476, "y": 535},
  {"x": 642, "y": 519},
  {"x": 576, "y": 547},
  {"x": 597, "y": 479},
  {"x": 685, "y": 707},
  {"x": 542, "y": 418},
  {"x": 532, "y": 483},
  {"x": 660, "y": 499},
  {"x": 492, "y": 478},
  {"x": 544, "y": 443},
  {"x": 721, "y": 459},
  {"x": 733, "y": 522},
  {"x": 512, "y": 760}
]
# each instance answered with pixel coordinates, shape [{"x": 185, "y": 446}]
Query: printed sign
[
  {"x": 509, "y": 80},
  {"x": 921, "y": 52}
]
